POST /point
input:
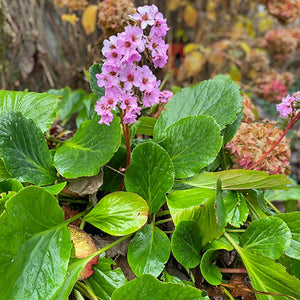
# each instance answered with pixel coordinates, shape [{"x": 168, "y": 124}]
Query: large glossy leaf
[
  {"x": 91, "y": 147},
  {"x": 220, "y": 99},
  {"x": 105, "y": 280},
  {"x": 119, "y": 213},
  {"x": 148, "y": 251},
  {"x": 41, "y": 108},
  {"x": 239, "y": 180},
  {"x": 268, "y": 276},
  {"x": 293, "y": 222},
  {"x": 192, "y": 143},
  {"x": 147, "y": 287},
  {"x": 268, "y": 236},
  {"x": 186, "y": 243},
  {"x": 210, "y": 272},
  {"x": 34, "y": 244},
  {"x": 195, "y": 204},
  {"x": 24, "y": 150},
  {"x": 236, "y": 208},
  {"x": 150, "y": 174}
]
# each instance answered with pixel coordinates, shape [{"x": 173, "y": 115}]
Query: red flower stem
[
  {"x": 125, "y": 128},
  {"x": 290, "y": 125}
]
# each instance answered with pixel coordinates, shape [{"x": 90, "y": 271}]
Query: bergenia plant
[{"x": 179, "y": 193}]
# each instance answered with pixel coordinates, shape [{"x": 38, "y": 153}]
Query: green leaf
[
  {"x": 24, "y": 150},
  {"x": 208, "y": 98},
  {"x": 91, "y": 147},
  {"x": 105, "y": 280},
  {"x": 148, "y": 251},
  {"x": 292, "y": 220},
  {"x": 239, "y": 180},
  {"x": 34, "y": 244},
  {"x": 86, "y": 113},
  {"x": 236, "y": 208},
  {"x": 74, "y": 103},
  {"x": 268, "y": 236},
  {"x": 222, "y": 243},
  {"x": 268, "y": 276},
  {"x": 10, "y": 184},
  {"x": 210, "y": 272},
  {"x": 192, "y": 143},
  {"x": 56, "y": 188},
  {"x": 146, "y": 126},
  {"x": 198, "y": 205},
  {"x": 173, "y": 279},
  {"x": 231, "y": 129},
  {"x": 3, "y": 171},
  {"x": 292, "y": 194},
  {"x": 112, "y": 179},
  {"x": 150, "y": 162},
  {"x": 119, "y": 213},
  {"x": 147, "y": 287},
  {"x": 75, "y": 267},
  {"x": 41, "y": 108},
  {"x": 186, "y": 243},
  {"x": 98, "y": 91},
  {"x": 220, "y": 206},
  {"x": 257, "y": 204}
]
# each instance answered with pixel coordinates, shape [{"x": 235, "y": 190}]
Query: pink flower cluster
[
  {"x": 165, "y": 96},
  {"x": 122, "y": 76},
  {"x": 288, "y": 104}
]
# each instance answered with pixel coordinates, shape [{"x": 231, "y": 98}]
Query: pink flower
[
  {"x": 128, "y": 75},
  {"x": 109, "y": 44},
  {"x": 131, "y": 115},
  {"x": 146, "y": 78},
  {"x": 160, "y": 26},
  {"x": 145, "y": 15},
  {"x": 108, "y": 77},
  {"x": 104, "y": 111},
  {"x": 136, "y": 36},
  {"x": 113, "y": 57},
  {"x": 286, "y": 106},
  {"x": 151, "y": 96},
  {"x": 128, "y": 101}
]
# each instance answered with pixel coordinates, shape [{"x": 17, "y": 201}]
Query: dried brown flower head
[
  {"x": 113, "y": 15},
  {"x": 285, "y": 11},
  {"x": 248, "y": 108},
  {"x": 252, "y": 141},
  {"x": 280, "y": 43},
  {"x": 257, "y": 63},
  {"x": 273, "y": 86}
]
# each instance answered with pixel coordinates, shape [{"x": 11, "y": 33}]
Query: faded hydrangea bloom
[
  {"x": 251, "y": 142},
  {"x": 125, "y": 79}
]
